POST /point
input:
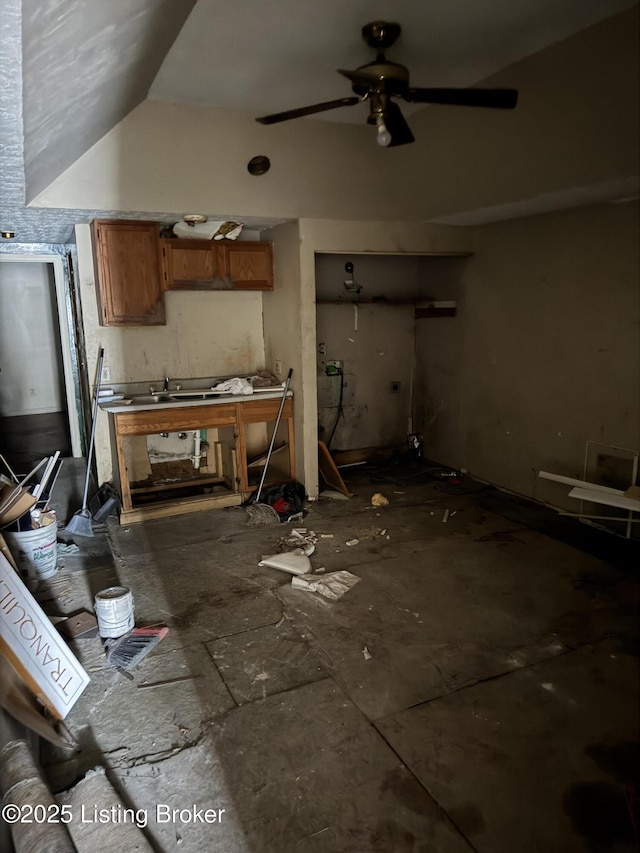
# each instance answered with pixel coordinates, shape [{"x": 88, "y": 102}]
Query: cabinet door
[
  {"x": 128, "y": 277},
  {"x": 193, "y": 264},
  {"x": 249, "y": 265}
]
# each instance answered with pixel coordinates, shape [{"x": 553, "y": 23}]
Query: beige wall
[
  {"x": 206, "y": 334},
  {"x": 375, "y": 342},
  {"x": 377, "y": 348},
  {"x": 543, "y": 354},
  {"x": 576, "y": 125},
  {"x": 284, "y": 337},
  {"x": 348, "y": 238}
]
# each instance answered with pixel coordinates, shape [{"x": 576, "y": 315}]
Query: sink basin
[
  {"x": 195, "y": 394},
  {"x": 147, "y": 399}
]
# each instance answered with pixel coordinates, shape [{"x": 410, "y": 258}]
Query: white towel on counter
[{"x": 235, "y": 386}]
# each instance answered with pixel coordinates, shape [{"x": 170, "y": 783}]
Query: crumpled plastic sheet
[{"x": 332, "y": 586}]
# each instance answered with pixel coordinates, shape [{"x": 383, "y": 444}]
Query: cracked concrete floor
[{"x": 495, "y": 709}]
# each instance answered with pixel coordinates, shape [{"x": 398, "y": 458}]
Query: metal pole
[{"x": 273, "y": 437}]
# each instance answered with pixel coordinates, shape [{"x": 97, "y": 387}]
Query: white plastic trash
[
  {"x": 114, "y": 611},
  {"x": 35, "y": 551},
  {"x": 295, "y": 564}
]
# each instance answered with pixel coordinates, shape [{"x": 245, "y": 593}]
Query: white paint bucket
[
  {"x": 114, "y": 611},
  {"x": 35, "y": 551}
]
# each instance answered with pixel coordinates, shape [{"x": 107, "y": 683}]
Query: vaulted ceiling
[{"x": 73, "y": 69}]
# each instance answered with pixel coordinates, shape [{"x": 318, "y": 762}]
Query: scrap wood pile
[
  {"x": 40, "y": 677},
  {"x": 27, "y": 520}
]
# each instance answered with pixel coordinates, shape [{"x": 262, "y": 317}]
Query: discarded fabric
[{"x": 235, "y": 386}]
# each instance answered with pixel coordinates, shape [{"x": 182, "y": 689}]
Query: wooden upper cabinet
[
  {"x": 249, "y": 265},
  {"x": 192, "y": 264},
  {"x": 212, "y": 264},
  {"x": 128, "y": 273}
]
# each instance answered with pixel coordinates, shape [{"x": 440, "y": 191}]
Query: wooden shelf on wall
[{"x": 436, "y": 309}]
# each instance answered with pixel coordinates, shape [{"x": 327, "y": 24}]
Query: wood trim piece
[
  {"x": 175, "y": 419},
  {"x": 257, "y": 411},
  {"x": 329, "y": 472},
  {"x": 179, "y": 507},
  {"x": 424, "y": 313},
  {"x": 123, "y": 474}
]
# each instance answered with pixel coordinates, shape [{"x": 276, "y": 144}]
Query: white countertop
[{"x": 122, "y": 407}]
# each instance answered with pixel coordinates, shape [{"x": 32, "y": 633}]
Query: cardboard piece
[
  {"x": 20, "y": 703},
  {"x": 34, "y": 647},
  {"x": 4, "y": 549},
  {"x": 15, "y": 501},
  {"x": 329, "y": 472}
]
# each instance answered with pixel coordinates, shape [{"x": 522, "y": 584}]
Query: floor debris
[
  {"x": 351, "y": 542},
  {"x": 378, "y": 499},
  {"x": 332, "y": 586},
  {"x": 129, "y": 650},
  {"x": 300, "y": 541},
  {"x": 68, "y": 548},
  {"x": 333, "y": 495},
  {"x": 178, "y": 680},
  {"x": 295, "y": 564}
]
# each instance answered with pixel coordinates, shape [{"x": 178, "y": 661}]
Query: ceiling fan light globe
[{"x": 384, "y": 137}]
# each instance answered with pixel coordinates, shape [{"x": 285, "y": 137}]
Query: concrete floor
[{"x": 476, "y": 690}]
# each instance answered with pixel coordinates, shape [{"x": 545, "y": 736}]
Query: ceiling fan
[{"x": 381, "y": 80}]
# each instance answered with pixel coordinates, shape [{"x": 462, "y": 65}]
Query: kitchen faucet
[{"x": 165, "y": 387}]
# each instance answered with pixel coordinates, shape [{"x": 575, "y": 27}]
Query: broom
[
  {"x": 262, "y": 515},
  {"x": 80, "y": 522}
]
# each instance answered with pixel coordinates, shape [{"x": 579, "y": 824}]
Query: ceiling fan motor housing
[
  {"x": 380, "y": 34},
  {"x": 389, "y": 77}
]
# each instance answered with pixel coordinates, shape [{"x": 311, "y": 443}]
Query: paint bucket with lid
[
  {"x": 35, "y": 552},
  {"x": 114, "y": 611}
]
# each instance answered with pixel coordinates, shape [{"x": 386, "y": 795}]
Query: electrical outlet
[
  {"x": 336, "y": 363},
  {"x": 32, "y": 392},
  {"x": 322, "y": 348},
  {"x": 106, "y": 374},
  {"x": 278, "y": 365}
]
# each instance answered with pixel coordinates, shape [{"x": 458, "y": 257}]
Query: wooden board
[
  {"x": 265, "y": 410},
  {"x": 179, "y": 507},
  {"x": 259, "y": 460},
  {"x": 152, "y": 421},
  {"x": 329, "y": 472}
]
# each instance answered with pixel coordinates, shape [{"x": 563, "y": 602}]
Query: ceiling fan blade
[
  {"x": 310, "y": 110},
  {"x": 503, "y": 99},
  {"x": 397, "y": 126}
]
